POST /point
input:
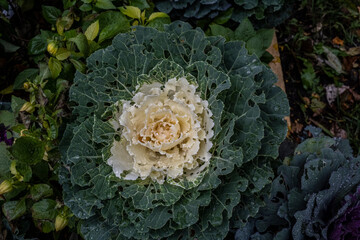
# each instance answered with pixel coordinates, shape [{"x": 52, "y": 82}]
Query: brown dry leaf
[
  {"x": 296, "y": 127},
  {"x": 306, "y": 100},
  {"x": 354, "y": 51},
  {"x": 338, "y": 132},
  {"x": 355, "y": 95},
  {"x": 338, "y": 41},
  {"x": 349, "y": 62}
]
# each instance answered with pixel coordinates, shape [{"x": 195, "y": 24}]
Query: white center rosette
[{"x": 165, "y": 134}]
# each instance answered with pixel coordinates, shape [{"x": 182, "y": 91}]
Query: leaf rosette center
[{"x": 166, "y": 132}]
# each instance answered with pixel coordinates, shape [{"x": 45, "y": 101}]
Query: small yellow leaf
[
  {"x": 131, "y": 11},
  {"x": 157, "y": 15},
  {"x": 143, "y": 16},
  {"x": 92, "y": 31},
  {"x": 7, "y": 90},
  {"x": 135, "y": 23},
  {"x": 62, "y": 54}
]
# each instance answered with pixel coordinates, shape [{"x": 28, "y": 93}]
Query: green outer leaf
[{"x": 50, "y": 13}]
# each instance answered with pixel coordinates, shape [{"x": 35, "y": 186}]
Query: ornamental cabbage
[
  {"x": 315, "y": 197},
  {"x": 172, "y": 131},
  {"x": 261, "y": 12},
  {"x": 198, "y": 9}
]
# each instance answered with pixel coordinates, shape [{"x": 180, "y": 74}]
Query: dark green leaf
[
  {"x": 8, "y": 47},
  {"x": 51, "y": 13},
  {"x": 23, "y": 171},
  {"x": 45, "y": 209},
  {"x": 7, "y": 118},
  {"x": 78, "y": 65},
  {"x": 82, "y": 43},
  {"x": 16, "y": 104},
  {"x": 4, "y": 161},
  {"x": 26, "y": 75},
  {"x": 112, "y": 23},
  {"x": 39, "y": 191},
  {"x": 14, "y": 209},
  {"x": 4, "y": 4},
  {"x": 105, "y": 4},
  {"x": 85, "y": 7},
  {"x": 224, "y": 17},
  {"x": 218, "y": 30},
  {"x": 68, "y": 3},
  {"x": 142, "y": 4},
  {"x": 159, "y": 23},
  {"x": 38, "y": 44},
  {"x": 28, "y": 150},
  {"x": 245, "y": 30}
]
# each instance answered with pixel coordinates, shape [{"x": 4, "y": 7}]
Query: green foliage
[
  {"x": 31, "y": 165},
  {"x": 193, "y": 8},
  {"x": 247, "y": 111},
  {"x": 307, "y": 195},
  {"x": 264, "y": 13},
  {"x": 256, "y": 41}
]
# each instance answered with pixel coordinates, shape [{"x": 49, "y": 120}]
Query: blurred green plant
[
  {"x": 257, "y": 41},
  {"x": 29, "y": 190}
]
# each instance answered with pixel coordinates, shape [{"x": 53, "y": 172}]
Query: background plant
[
  {"x": 316, "y": 196},
  {"x": 30, "y": 191}
]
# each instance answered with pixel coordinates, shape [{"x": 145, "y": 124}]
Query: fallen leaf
[
  {"x": 296, "y": 127},
  {"x": 317, "y": 106},
  {"x": 332, "y": 92},
  {"x": 355, "y": 95},
  {"x": 338, "y": 132},
  {"x": 349, "y": 62},
  {"x": 333, "y": 61},
  {"x": 338, "y": 41},
  {"x": 354, "y": 51}
]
